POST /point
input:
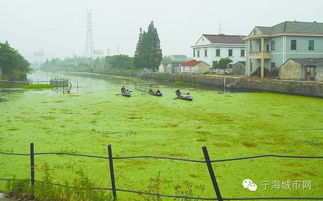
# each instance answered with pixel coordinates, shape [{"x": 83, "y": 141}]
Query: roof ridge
[
  {"x": 306, "y": 22},
  {"x": 222, "y": 35},
  {"x": 285, "y": 25}
]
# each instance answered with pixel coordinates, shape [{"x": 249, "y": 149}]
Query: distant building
[
  {"x": 239, "y": 68},
  {"x": 162, "y": 67},
  {"x": 302, "y": 69},
  {"x": 194, "y": 67},
  {"x": 170, "y": 67},
  {"x": 270, "y": 47},
  {"x": 179, "y": 58},
  {"x": 211, "y": 48}
]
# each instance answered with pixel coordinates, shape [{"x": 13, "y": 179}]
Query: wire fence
[{"x": 114, "y": 189}]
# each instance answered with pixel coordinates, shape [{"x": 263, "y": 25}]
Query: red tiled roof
[
  {"x": 191, "y": 63},
  {"x": 221, "y": 38},
  {"x": 165, "y": 64}
]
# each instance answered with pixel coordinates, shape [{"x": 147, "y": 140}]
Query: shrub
[{"x": 46, "y": 190}]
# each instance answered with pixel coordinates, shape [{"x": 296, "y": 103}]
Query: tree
[
  {"x": 138, "y": 60},
  {"x": 222, "y": 63},
  {"x": 120, "y": 62},
  {"x": 148, "y": 52},
  {"x": 13, "y": 65},
  {"x": 154, "y": 50}
]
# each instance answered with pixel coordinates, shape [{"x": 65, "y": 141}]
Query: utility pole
[{"x": 88, "y": 52}]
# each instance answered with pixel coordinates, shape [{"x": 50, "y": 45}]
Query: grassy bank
[
  {"x": 230, "y": 125},
  {"x": 37, "y": 86}
]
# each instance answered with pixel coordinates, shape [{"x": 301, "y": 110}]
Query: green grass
[
  {"x": 230, "y": 125},
  {"x": 79, "y": 190},
  {"x": 37, "y": 86}
]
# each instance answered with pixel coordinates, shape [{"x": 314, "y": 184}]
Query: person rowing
[
  {"x": 188, "y": 96},
  {"x": 158, "y": 92},
  {"x": 150, "y": 90},
  {"x": 123, "y": 89},
  {"x": 178, "y": 93}
]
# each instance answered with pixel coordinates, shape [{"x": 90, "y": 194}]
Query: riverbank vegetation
[
  {"x": 13, "y": 66},
  {"x": 37, "y": 86},
  {"x": 80, "y": 189}
]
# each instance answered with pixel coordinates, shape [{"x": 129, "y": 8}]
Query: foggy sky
[{"x": 58, "y": 27}]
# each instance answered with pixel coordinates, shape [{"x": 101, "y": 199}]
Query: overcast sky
[{"x": 59, "y": 26}]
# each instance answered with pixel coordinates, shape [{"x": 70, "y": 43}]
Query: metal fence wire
[{"x": 114, "y": 189}]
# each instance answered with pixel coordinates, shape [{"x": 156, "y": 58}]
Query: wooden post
[
  {"x": 212, "y": 175},
  {"x": 32, "y": 170},
  {"x": 113, "y": 182},
  {"x": 262, "y": 64}
]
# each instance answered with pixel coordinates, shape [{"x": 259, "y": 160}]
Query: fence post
[
  {"x": 212, "y": 175},
  {"x": 32, "y": 170},
  {"x": 113, "y": 182}
]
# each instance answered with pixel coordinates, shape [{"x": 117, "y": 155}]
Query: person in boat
[
  {"x": 178, "y": 93},
  {"x": 69, "y": 89},
  {"x": 188, "y": 96},
  {"x": 150, "y": 90},
  {"x": 123, "y": 89}
]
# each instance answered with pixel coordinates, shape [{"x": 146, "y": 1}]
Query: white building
[
  {"x": 211, "y": 48},
  {"x": 194, "y": 67}
]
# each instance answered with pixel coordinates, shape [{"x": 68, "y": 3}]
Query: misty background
[{"x": 58, "y": 28}]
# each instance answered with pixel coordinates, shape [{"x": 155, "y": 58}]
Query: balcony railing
[{"x": 260, "y": 54}]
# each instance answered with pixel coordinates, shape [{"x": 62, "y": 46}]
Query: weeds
[
  {"x": 185, "y": 189},
  {"x": 46, "y": 190}
]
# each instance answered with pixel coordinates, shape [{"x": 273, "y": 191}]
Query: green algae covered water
[{"x": 229, "y": 124}]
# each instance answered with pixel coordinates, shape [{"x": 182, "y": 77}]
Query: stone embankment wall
[{"x": 306, "y": 88}]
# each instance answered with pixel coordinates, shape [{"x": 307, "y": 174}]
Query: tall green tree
[
  {"x": 138, "y": 60},
  {"x": 148, "y": 52},
  {"x": 155, "y": 53},
  {"x": 13, "y": 65}
]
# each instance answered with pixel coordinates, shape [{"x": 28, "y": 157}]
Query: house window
[
  {"x": 230, "y": 53},
  {"x": 205, "y": 52},
  {"x": 193, "y": 52},
  {"x": 267, "y": 48},
  {"x": 242, "y": 53},
  {"x": 273, "y": 45},
  {"x": 218, "y": 52},
  {"x": 311, "y": 45},
  {"x": 273, "y": 65},
  {"x": 293, "y": 44},
  {"x": 198, "y": 53}
]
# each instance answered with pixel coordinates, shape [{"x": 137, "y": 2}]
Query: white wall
[
  {"x": 162, "y": 69},
  {"x": 224, "y": 52}
]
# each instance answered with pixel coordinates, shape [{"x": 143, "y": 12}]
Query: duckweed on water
[{"x": 230, "y": 125}]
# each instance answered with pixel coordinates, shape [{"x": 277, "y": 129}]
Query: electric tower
[{"x": 89, "y": 40}]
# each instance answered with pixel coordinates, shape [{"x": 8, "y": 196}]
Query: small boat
[
  {"x": 190, "y": 98},
  {"x": 153, "y": 93},
  {"x": 126, "y": 93}
]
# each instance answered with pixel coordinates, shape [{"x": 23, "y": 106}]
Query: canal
[{"x": 230, "y": 124}]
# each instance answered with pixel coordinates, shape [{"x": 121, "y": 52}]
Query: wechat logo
[{"x": 247, "y": 183}]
